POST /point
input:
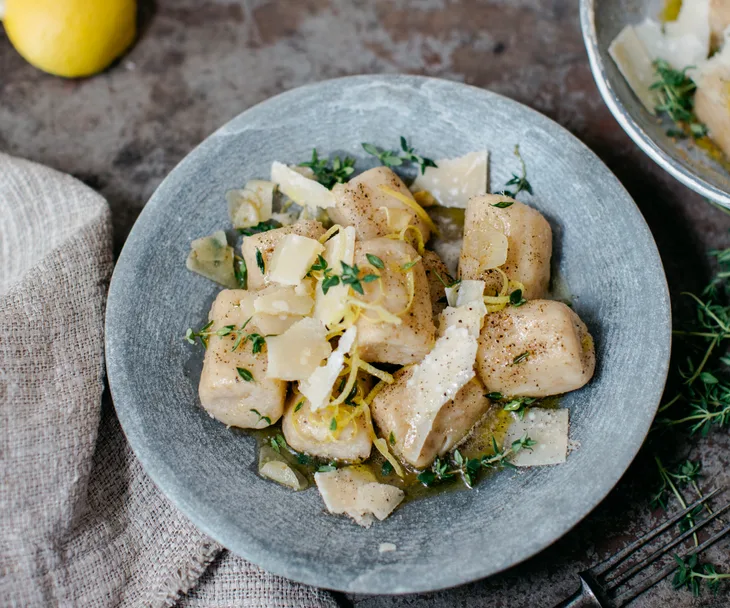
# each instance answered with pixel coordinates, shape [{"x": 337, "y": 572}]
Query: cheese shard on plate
[
  {"x": 252, "y": 204},
  {"x": 354, "y": 491},
  {"x": 635, "y": 64},
  {"x": 435, "y": 381},
  {"x": 318, "y": 386},
  {"x": 212, "y": 257},
  {"x": 297, "y": 353},
  {"x": 283, "y": 300},
  {"x": 682, "y": 43},
  {"x": 455, "y": 180},
  {"x": 330, "y": 307},
  {"x": 547, "y": 427},
  {"x": 293, "y": 257},
  {"x": 302, "y": 190}
]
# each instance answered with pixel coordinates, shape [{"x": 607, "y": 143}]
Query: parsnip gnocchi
[{"x": 382, "y": 367}]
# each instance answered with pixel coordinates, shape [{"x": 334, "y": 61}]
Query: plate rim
[
  {"x": 680, "y": 171},
  {"x": 263, "y": 558}
]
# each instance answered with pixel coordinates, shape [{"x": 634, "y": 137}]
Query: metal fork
[{"x": 600, "y": 586}]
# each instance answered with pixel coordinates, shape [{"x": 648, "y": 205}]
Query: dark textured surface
[{"x": 198, "y": 64}]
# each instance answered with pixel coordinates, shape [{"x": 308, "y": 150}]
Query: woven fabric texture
[{"x": 81, "y": 524}]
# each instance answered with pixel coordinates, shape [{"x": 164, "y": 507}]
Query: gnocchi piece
[
  {"x": 224, "y": 391},
  {"x": 711, "y": 102},
  {"x": 266, "y": 242},
  {"x": 309, "y": 432},
  {"x": 435, "y": 268},
  {"x": 539, "y": 349},
  {"x": 381, "y": 341},
  {"x": 359, "y": 203},
  {"x": 529, "y": 245},
  {"x": 392, "y": 414},
  {"x": 719, "y": 21}
]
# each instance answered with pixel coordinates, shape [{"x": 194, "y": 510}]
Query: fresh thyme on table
[
  {"x": 699, "y": 405},
  {"x": 676, "y": 91},
  {"x": 394, "y": 159}
]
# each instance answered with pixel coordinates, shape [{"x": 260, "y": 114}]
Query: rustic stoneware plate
[
  {"x": 603, "y": 249},
  {"x": 601, "y": 22}
]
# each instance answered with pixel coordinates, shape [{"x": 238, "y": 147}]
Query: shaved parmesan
[
  {"x": 297, "y": 353},
  {"x": 549, "y": 428},
  {"x": 318, "y": 386},
  {"x": 684, "y": 42},
  {"x": 272, "y": 466},
  {"x": 435, "y": 381},
  {"x": 273, "y": 325},
  {"x": 252, "y": 204},
  {"x": 452, "y": 294},
  {"x": 354, "y": 491},
  {"x": 330, "y": 307},
  {"x": 455, "y": 180},
  {"x": 302, "y": 190},
  {"x": 469, "y": 316},
  {"x": 635, "y": 64},
  {"x": 470, "y": 291},
  {"x": 292, "y": 258},
  {"x": 280, "y": 300},
  {"x": 212, "y": 257}
]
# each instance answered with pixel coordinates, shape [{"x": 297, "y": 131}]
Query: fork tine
[
  {"x": 651, "y": 558},
  {"x": 666, "y": 571},
  {"x": 615, "y": 560}
]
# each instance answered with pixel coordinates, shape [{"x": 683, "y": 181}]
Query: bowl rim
[
  {"x": 680, "y": 171},
  {"x": 190, "y": 507}
]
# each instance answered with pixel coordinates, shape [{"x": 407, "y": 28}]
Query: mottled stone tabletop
[{"x": 199, "y": 63}]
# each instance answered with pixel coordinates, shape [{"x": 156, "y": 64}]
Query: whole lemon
[{"x": 70, "y": 38}]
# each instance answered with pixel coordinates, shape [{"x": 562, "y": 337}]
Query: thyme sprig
[
  {"x": 338, "y": 173},
  {"x": 520, "y": 181},
  {"x": 204, "y": 333},
  {"x": 691, "y": 573},
  {"x": 260, "y": 227},
  {"x": 675, "y": 92},
  {"x": 350, "y": 275},
  {"x": 391, "y": 158},
  {"x": 456, "y": 465}
]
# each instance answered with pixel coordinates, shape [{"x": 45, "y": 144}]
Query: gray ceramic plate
[
  {"x": 601, "y": 22},
  {"x": 603, "y": 249}
]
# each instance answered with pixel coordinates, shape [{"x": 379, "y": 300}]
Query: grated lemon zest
[
  {"x": 409, "y": 202},
  {"x": 385, "y": 316},
  {"x": 332, "y": 231},
  {"x": 505, "y": 281},
  {"x": 378, "y": 373},
  {"x": 352, "y": 378},
  {"x": 382, "y": 446}
]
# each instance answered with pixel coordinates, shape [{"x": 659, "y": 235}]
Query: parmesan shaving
[
  {"x": 292, "y": 258},
  {"x": 297, "y": 353},
  {"x": 455, "y": 180},
  {"x": 319, "y": 385},
  {"x": 302, "y": 190}
]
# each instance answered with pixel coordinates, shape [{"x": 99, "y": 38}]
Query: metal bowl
[{"x": 694, "y": 167}]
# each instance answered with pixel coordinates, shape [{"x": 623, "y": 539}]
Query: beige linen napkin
[{"x": 81, "y": 524}]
